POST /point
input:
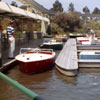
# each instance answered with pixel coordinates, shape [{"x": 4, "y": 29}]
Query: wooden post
[
  {"x": 43, "y": 27},
  {"x": 0, "y": 46},
  {"x": 49, "y": 28},
  {"x": 0, "y": 53},
  {"x": 30, "y": 29}
]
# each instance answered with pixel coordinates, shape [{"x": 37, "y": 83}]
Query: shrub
[
  {"x": 67, "y": 21},
  {"x": 55, "y": 29}
]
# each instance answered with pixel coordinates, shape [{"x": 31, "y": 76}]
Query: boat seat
[{"x": 46, "y": 52}]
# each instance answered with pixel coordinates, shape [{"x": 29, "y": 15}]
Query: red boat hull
[
  {"x": 83, "y": 40},
  {"x": 36, "y": 66}
]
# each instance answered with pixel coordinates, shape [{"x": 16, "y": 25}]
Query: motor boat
[
  {"x": 86, "y": 40},
  {"x": 47, "y": 37},
  {"x": 82, "y": 39},
  {"x": 62, "y": 38},
  {"x": 88, "y": 43},
  {"x": 34, "y": 60},
  {"x": 89, "y": 58},
  {"x": 89, "y": 54},
  {"x": 53, "y": 44},
  {"x": 76, "y": 35}
]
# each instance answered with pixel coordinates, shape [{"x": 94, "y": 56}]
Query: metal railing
[{"x": 20, "y": 87}]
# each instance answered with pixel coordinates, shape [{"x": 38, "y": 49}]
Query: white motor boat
[
  {"x": 89, "y": 58},
  {"x": 53, "y": 44},
  {"x": 35, "y": 60}
]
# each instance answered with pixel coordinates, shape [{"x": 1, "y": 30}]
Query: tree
[
  {"x": 14, "y": 4},
  {"x": 67, "y": 21},
  {"x": 71, "y": 7},
  {"x": 57, "y": 7},
  {"x": 86, "y": 10},
  {"x": 96, "y": 11},
  {"x": 55, "y": 29}
]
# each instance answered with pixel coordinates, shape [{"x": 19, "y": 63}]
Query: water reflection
[
  {"x": 65, "y": 79},
  {"x": 89, "y": 70},
  {"x": 52, "y": 85},
  {"x": 29, "y": 79}
]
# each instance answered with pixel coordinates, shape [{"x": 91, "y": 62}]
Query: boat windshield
[{"x": 24, "y": 50}]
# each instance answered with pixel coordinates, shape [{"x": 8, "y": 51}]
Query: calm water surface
[{"x": 51, "y": 85}]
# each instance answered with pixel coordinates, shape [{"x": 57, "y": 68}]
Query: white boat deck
[
  {"x": 67, "y": 59},
  {"x": 88, "y": 50},
  {"x": 88, "y": 47},
  {"x": 89, "y": 61},
  {"x": 52, "y": 43},
  {"x": 33, "y": 57}
]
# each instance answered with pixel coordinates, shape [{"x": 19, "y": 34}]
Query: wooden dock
[
  {"x": 8, "y": 65},
  {"x": 88, "y": 47},
  {"x": 67, "y": 59},
  {"x": 89, "y": 63}
]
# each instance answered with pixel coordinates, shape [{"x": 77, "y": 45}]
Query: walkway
[
  {"x": 67, "y": 59},
  {"x": 22, "y": 44}
]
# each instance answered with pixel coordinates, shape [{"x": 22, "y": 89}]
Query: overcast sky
[{"x": 78, "y": 4}]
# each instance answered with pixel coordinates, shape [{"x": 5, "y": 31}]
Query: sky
[{"x": 78, "y": 4}]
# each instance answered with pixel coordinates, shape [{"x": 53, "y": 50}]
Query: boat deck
[
  {"x": 88, "y": 50},
  {"x": 89, "y": 63},
  {"x": 88, "y": 47},
  {"x": 67, "y": 59}
]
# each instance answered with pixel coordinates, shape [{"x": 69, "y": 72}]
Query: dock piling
[{"x": 66, "y": 62}]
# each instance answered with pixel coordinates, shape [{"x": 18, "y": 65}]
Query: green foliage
[
  {"x": 67, "y": 21},
  {"x": 5, "y": 22},
  {"x": 86, "y": 9},
  {"x": 71, "y": 7},
  {"x": 57, "y": 7},
  {"x": 37, "y": 26},
  {"x": 55, "y": 29},
  {"x": 19, "y": 34},
  {"x": 95, "y": 25},
  {"x": 96, "y": 11}
]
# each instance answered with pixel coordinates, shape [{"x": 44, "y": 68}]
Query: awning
[
  {"x": 6, "y": 9},
  {"x": 32, "y": 15},
  {"x": 37, "y": 6}
]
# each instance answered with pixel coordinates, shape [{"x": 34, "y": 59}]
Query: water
[{"x": 51, "y": 85}]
